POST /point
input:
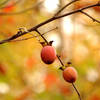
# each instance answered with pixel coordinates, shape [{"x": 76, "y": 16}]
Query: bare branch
[
  {"x": 65, "y": 7},
  {"x": 46, "y": 22},
  {"x": 94, "y": 20}
]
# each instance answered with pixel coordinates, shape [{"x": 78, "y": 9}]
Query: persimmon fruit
[
  {"x": 70, "y": 74},
  {"x": 48, "y": 54}
]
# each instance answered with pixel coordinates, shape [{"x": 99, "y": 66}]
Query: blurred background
[{"x": 23, "y": 76}]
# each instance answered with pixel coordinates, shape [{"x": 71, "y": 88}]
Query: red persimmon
[
  {"x": 70, "y": 74},
  {"x": 48, "y": 54}
]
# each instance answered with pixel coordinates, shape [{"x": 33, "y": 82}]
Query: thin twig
[
  {"x": 94, "y": 20},
  {"x": 76, "y": 91},
  {"x": 65, "y": 7},
  {"x": 42, "y": 36}
]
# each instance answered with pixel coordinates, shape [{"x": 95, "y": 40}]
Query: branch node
[{"x": 23, "y": 29}]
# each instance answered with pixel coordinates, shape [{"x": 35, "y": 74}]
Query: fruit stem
[
  {"x": 60, "y": 60},
  {"x": 76, "y": 91},
  {"x": 42, "y": 36}
]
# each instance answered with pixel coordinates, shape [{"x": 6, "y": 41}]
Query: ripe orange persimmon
[
  {"x": 70, "y": 74},
  {"x": 48, "y": 54}
]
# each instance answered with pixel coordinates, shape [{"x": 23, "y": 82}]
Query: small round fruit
[
  {"x": 48, "y": 54},
  {"x": 70, "y": 74}
]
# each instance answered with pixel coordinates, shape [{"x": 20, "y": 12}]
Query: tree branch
[
  {"x": 77, "y": 11},
  {"x": 94, "y": 20},
  {"x": 47, "y": 21},
  {"x": 65, "y": 7}
]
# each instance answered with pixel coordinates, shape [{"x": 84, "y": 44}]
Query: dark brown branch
[
  {"x": 47, "y": 21},
  {"x": 76, "y": 91},
  {"x": 65, "y": 7},
  {"x": 94, "y": 20}
]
